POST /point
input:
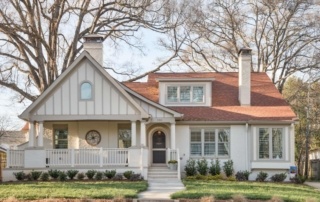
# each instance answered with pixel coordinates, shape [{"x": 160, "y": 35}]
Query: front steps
[{"x": 162, "y": 182}]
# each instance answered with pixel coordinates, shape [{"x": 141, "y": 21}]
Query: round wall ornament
[{"x": 93, "y": 137}]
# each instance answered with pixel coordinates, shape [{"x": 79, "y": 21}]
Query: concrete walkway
[
  {"x": 313, "y": 184},
  {"x": 161, "y": 189}
]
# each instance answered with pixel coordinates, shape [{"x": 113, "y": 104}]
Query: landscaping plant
[
  {"x": 202, "y": 167},
  {"x": 72, "y": 173},
  {"x": 262, "y": 176},
  {"x": 90, "y": 174},
  {"x": 228, "y": 168},
  {"x": 98, "y": 176},
  {"x": 54, "y": 174},
  {"x": 44, "y": 176},
  {"x": 110, "y": 173},
  {"x": 62, "y": 176},
  {"x": 20, "y": 175},
  {"x": 243, "y": 175},
  {"x": 35, "y": 175},
  {"x": 278, "y": 177},
  {"x": 128, "y": 174},
  {"x": 80, "y": 176},
  {"x": 215, "y": 168},
  {"x": 135, "y": 177},
  {"x": 190, "y": 168}
]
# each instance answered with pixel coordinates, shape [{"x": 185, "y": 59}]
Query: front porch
[{"x": 133, "y": 158}]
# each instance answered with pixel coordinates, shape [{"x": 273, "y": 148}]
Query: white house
[{"x": 88, "y": 120}]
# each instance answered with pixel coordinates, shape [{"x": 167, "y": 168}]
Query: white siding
[
  {"x": 106, "y": 99},
  {"x": 153, "y": 111}
]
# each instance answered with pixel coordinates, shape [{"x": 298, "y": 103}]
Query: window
[
  {"x": 124, "y": 136},
  {"x": 185, "y": 94},
  {"x": 210, "y": 142},
  {"x": 61, "y": 137},
  {"x": 270, "y": 143},
  {"x": 86, "y": 91}
]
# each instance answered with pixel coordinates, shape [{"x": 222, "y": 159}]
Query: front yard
[
  {"x": 251, "y": 190},
  {"x": 72, "y": 189}
]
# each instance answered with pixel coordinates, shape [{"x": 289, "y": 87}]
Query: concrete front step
[{"x": 162, "y": 172}]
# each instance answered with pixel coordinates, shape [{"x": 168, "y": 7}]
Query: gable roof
[
  {"x": 27, "y": 114},
  {"x": 267, "y": 104}
]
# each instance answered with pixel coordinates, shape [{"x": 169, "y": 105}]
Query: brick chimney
[
  {"x": 93, "y": 44},
  {"x": 245, "y": 76}
]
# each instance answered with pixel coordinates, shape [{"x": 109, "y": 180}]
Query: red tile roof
[{"x": 266, "y": 101}]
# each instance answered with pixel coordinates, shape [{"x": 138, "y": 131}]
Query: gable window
[
  {"x": 211, "y": 142},
  {"x": 124, "y": 136},
  {"x": 185, "y": 94},
  {"x": 86, "y": 91},
  {"x": 61, "y": 137},
  {"x": 270, "y": 143}
]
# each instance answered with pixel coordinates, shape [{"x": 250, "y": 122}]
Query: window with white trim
[
  {"x": 86, "y": 91},
  {"x": 60, "y": 136},
  {"x": 185, "y": 94},
  {"x": 210, "y": 142},
  {"x": 270, "y": 143}
]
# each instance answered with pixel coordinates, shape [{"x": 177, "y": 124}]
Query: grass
[
  {"x": 251, "y": 190},
  {"x": 79, "y": 190}
]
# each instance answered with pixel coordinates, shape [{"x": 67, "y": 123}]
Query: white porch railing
[
  {"x": 15, "y": 158},
  {"x": 86, "y": 157},
  {"x": 173, "y": 154}
]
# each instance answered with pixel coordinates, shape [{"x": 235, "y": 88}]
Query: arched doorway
[
  {"x": 3, "y": 160},
  {"x": 159, "y": 147}
]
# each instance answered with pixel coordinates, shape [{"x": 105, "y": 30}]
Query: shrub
[
  {"x": 72, "y": 173},
  {"x": 62, "y": 176},
  {"x": 215, "y": 168},
  {"x": 190, "y": 168},
  {"x": 278, "y": 177},
  {"x": 110, "y": 173},
  {"x": 98, "y": 176},
  {"x": 202, "y": 167},
  {"x": 20, "y": 175},
  {"x": 135, "y": 177},
  {"x": 54, "y": 174},
  {"x": 80, "y": 176},
  {"x": 128, "y": 174},
  {"x": 117, "y": 177},
  {"x": 35, "y": 175},
  {"x": 243, "y": 175},
  {"x": 228, "y": 168},
  {"x": 262, "y": 176},
  {"x": 90, "y": 174},
  {"x": 298, "y": 179},
  {"x": 44, "y": 176}
]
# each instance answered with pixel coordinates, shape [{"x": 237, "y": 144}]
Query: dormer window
[
  {"x": 86, "y": 91},
  {"x": 185, "y": 94}
]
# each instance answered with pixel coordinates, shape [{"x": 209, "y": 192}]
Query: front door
[{"x": 159, "y": 147}]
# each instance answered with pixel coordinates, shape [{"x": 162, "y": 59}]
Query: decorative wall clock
[{"x": 93, "y": 137}]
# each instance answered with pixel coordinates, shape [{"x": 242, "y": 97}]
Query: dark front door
[{"x": 159, "y": 147}]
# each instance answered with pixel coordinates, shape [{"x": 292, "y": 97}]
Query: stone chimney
[
  {"x": 245, "y": 76},
  {"x": 93, "y": 44}
]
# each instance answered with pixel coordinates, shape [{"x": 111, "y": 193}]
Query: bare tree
[
  {"x": 39, "y": 39},
  {"x": 6, "y": 125},
  {"x": 284, "y": 36}
]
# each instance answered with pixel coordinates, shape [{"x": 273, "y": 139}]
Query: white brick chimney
[
  {"x": 245, "y": 76},
  {"x": 93, "y": 44}
]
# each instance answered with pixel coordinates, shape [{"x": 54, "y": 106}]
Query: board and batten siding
[
  {"x": 65, "y": 98},
  {"x": 153, "y": 111}
]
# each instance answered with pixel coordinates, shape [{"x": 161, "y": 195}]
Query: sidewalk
[{"x": 313, "y": 184}]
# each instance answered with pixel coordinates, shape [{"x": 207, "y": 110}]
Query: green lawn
[
  {"x": 251, "y": 190},
  {"x": 77, "y": 189}
]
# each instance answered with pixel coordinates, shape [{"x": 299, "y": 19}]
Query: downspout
[{"x": 246, "y": 159}]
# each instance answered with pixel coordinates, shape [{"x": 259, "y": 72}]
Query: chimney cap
[
  {"x": 245, "y": 50},
  {"x": 93, "y": 38}
]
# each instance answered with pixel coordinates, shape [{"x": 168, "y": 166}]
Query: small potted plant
[{"x": 173, "y": 164}]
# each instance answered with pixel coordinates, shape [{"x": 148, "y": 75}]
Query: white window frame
[
  {"x": 178, "y": 86},
  {"x": 80, "y": 91},
  {"x": 60, "y": 128},
  {"x": 270, "y": 128},
  {"x": 216, "y": 142}
]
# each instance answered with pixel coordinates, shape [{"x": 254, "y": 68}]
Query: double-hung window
[
  {"x": 60, "y": 137},
  {"x": 185, "y": 94},
  {"x": 270, "y": 143},
  {"x": 210, "y": 142}
]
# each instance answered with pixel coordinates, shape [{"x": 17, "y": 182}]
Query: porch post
[
  {"x": 31, "y": 134},
  {"x": 133, "y": 133},
  {"x": 173, "y": 135},
  {"x": 40, "y": 135},
  {"x": 143, "y": 141}
]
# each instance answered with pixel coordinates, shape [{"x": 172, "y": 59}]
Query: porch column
[
  {"x": 173, "y": 135},
  {"x": 31, "y": 134},
  {"x": 143, "y": 138},
  {"x": 133, "y": 133},
  {"x": 40, "y": 135}
]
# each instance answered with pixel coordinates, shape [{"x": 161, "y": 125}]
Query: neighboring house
[{"x": 88, "y": 120}]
